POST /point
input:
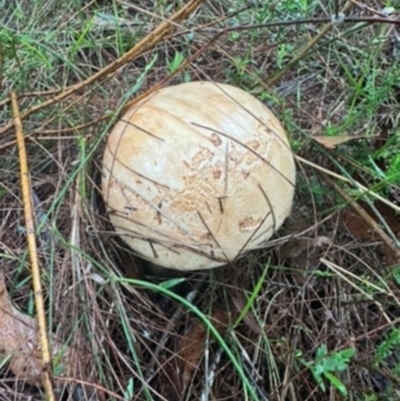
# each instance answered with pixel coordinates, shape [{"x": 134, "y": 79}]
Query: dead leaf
[
  {"x": 360, "y": 228},
  {"x": 192, "y": 345},
  {"x": 330, "y": 142},
  {"x": 19, "y": 341}
]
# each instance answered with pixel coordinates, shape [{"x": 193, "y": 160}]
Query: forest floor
[{"x": 315, "y": 315}]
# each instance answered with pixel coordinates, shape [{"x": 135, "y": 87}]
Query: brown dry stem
[
  {"x": 30, "y": 227},
  {"x": 50, "y": 92}
]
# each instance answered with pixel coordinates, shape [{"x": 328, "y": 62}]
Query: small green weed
[
  {"x": 325, "y": 367},
  {"x": 176, "y": 62},
  {"x": 387, "y": 347}
]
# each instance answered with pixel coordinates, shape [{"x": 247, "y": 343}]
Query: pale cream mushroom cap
[{"x": 196, "y": 175}]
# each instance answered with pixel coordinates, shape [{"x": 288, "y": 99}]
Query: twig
[
  {"x": 252, "y": 373},
  {"x": 370, "y": 366},
  {"x": 153, "y": 39},
  {"x": 30, "y": 226},
  {"x": 58, "y": 132},
  {"x": 209, "y": 379},
  {"x": 7, "y": 100},
  {"x": 145, "y": 44},
  {"x": 370, "y": 9}
]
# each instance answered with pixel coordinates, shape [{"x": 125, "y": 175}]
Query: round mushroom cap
[{"x": 196, "y": 175}]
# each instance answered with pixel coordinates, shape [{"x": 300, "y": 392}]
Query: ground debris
[
  {"x": 192, "y": 345},
  {"x": 360, "y": 228},
  {"x": 19, "y": 342}
]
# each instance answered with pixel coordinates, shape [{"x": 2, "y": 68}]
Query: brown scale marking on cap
[
  {"x": 113, "y": 183},
  {"x": 235, "y": 156},
  {"x": 215, "y": 139},
  {"x": 249, "y": 223},
  {"x": 131, "y": 197},
  {"x": 206, "y": 238},
  {"x": 245, "y": 174},
  {"x": 263, "y": 127},
  {"x": 191, "y": 201},
  {"x": 217, "y": 174},
  {"x": 255, "y": 151},
  {"x": 203, "y": 154},
  {"x": 253, "y": 145}
]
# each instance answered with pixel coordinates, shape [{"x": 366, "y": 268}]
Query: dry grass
[{"x": 326, "y": 280}]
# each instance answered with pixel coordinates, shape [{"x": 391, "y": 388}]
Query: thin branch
[
  {"x": 30, "y": 226},
  {"x": 7, "y": 100}
]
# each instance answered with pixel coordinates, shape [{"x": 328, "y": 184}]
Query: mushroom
[{"x": 196, "y": 175}]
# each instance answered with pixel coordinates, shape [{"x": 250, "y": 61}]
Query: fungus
[{"x": 197, "y": 174}]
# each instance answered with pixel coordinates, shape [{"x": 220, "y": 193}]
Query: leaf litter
[{"x": 20, "y": 346}]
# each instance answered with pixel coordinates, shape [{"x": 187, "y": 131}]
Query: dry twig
[{"x": 30, "y": 227}]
